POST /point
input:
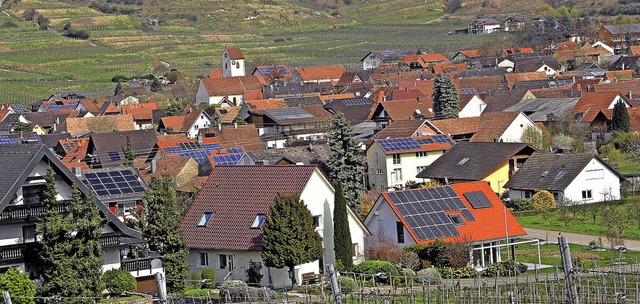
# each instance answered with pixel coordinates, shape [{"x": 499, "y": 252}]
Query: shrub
[
  {"x": 29, "y": 14},
  {"x": 347, "y": 284},
  {"x": 428, "y": 276},
  {"x": 407, "y": 273},
  {"x": 238, "y": 291},
  {"x": 194, "y": 278},
  {"x": 374, "y": 267},
  {"x": 504, "y": 269},
  {"x": 9, "y": 24},
  {"x": 458, "y": 273},
  {"x": 209, "y": 274},
  {"x": 119, "y": 281},
  {"x": 410, "y": 259},
  {"x": 20, "y": 287},
  {"x": 384, "y": 251},
  {"x": 80, "y": 34},
  {"x": 543, "y": 200},
  {"x": 198, "y": 293},
  {"x": 520, "y": 204},
  {"x": 253, "y": 272},
  {"x": 435, "y": 253},
  {"x": 42, "y": 21}
]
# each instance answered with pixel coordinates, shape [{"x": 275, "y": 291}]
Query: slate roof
[
  {"x": 482, "y": 73},
  {"x": 51, "y": 140},
  {"x": 483, "y": 159},
  {"x": 531, "y": 64},
  {"x": 355, "y": 114},
  {"x": 623, "y": 28},
  {"x": 303, "y": 101},
  {"x": 545, "y": 109},
  {"x": 542, "y": 171},
  {"x": 235, "y": 195},
  {"x": 303, "y": 154},
  {"x": 625, "y": 63},
  {"x": 142, "y": 142}
]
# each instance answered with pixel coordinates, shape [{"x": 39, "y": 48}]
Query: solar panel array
[
  {"x": 19, "y": 108},
  {"x": 356, "y": 102},
  {"x": 468, "y": 91},
  {"x": 477, "y": 199},
  {"x": 114, "y": 182},
  {"x": 267, "y": 70},
  {"x": 409, "y": 143},
  {"x": 53, "y": 107},
  {"x": 424, "y": 211},
  {"x": 231, "y": 159},
  {"x": 6, "y": 140},
  {"x": 200, "y": 152},
  {"x": 68, "y": 145},
  {"x": 114, "y": 156},
  {"x": 289, "y": 113},
  {"x": 396, "y": 54}
]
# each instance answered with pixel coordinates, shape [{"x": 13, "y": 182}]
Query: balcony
[
  {"x": 142, "y": 266},
  {"x": 20, "y": 213}
]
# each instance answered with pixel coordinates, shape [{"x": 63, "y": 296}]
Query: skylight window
[
  {"x": 258, "y": 221},
  {"x": 456, "y": 219},
  {"x": 204, "y": 220},
  {"x": 464, "y": 160},
  {"x": 545, "y": 173},
  {"x": 560, "y": 174}
]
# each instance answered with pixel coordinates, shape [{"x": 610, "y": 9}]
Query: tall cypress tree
[
  {"x": 341, "y": 235},
  {"x": 289, "y": 237},
  {"x": 346, "y": 161},
  {"x": 128, "y": 154},
  {"x": 161, "y": 229},
  {"x": 118, "y": 89},
  {"x": 445, "y": 98},
  {"x": 620, "y": 120}
]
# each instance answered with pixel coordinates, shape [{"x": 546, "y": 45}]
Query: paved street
[{"x": 574, "y": 238}]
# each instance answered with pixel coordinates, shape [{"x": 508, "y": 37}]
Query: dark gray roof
[
  {"x": 532, "y": 64},
  {"x": 7, "y": 123},
  {"x": 623, "y": 28},
  {"x": 544, "y": 109},
  {"x": 142, "y": 142},
  {"x": 482, "y": 73},
  {"x": 482, "y": 158},
  {"x": 499, "y": 100},
  {"x": 544, "y": 83},
  {"x": 542, "y": 171},
  {"x": 303, "y": 101},
  {"x": 51, "y": 140},
  {"x": 355, "y": 110},
  {"x": 19, "y": 108},
  {"x": 319, "y": 154},
  {"x": 625, "y": 63}
]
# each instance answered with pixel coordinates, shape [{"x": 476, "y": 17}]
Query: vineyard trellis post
[{"x": 567, "y": 266}]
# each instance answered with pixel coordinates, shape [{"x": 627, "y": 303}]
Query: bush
[
  {"x": 119, "y": 281},
  {"x": 520, "y": 204},
  {"x": 209, "y": 274},
  {"x": 383, "y": 251},
  {"x": 9, "y": 24},
  {"x": 347, "y": 284},
  {"x": 20, "y": 287},
  {"x": 198, "y": 293},
  {"x": 459, "y": 273},
  {"x": 406, "y": 273},
  {"x": 428, "y": 276},
  {"x": 29, "y": 14},
  {"x": 238, "y": 291},
  {"x": 374, "y": 267},
  {"x": 194, "y": 278},
  {"x": 80, "y": 34},
  {"x": 504, "y": 269},
  {"x": 435, "y": 253}
]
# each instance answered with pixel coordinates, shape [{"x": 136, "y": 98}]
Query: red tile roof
[
  {"x": 181, "y": 123},
  {"x": 231, "y": 85},
  {"x": 489, "y": 224},
  {"x": 593, "y": 102},
  {"x": 430, "y": 58},
  {"x": 235, "y": 195},
  {"x": 321, "y": 73},
  {"x": 235, "y": 53},
  {"x": 471, "y": 53},
  {"x": 100, "y": 124},
  {"x": 620, "y": 75},
  {"x": 216, "y": 73},
  {"x": 513, "y": 78}
]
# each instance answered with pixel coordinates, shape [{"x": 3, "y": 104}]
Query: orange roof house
[
  {"x": 318, "y": 74},
  {"x": 227, "y": 90},
  {"x": 592, "y": 103},
  {"x": 100, "y": 124},
  {"x": 188, "y": 123},
  {"x": 513, "y": 78},
  {"x": 464, "y": 212}
]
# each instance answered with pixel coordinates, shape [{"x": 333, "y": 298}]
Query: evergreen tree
[
  {"x": 156, "y": 86},
  {"x": 445, "y": 98},
  {"x": 289, "y": 237},
  {"x": 346, "y": 161},
  {"x": 341, "y": 234},
  {"x": 620, "y": 121},
  {"x": 174, "y": 109},
  {"x": 118, "y": 89},
  {"x": 128, "y": 154},
  {"x": 161, "y": 229}
]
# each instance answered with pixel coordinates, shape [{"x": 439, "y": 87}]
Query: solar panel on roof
[
  {"x": 468, "y": 91},
  {"x": 356, "y": 102},
  {"x": 231, "y": 159},
  {"x": 289, "y": 113},
  {"x": 477, "y": 199},
  {"x": 113, "y": 182},
  {"x": 399, "y": 144},
  {"x": 187, "y": 146},
  {"x": 114, "y": 156}
]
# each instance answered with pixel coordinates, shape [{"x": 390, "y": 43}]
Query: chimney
[
  {"x": 77, "y": 171},
  {"x": 623, "y": 66},
  {"x": 419, "y": 100},
  {"x": 384, "y": 98},
  {"x": 154, "y": 166},
  {"x": 199, "y": 138},
  {"x": 220, "y": 127},
  {"x": 630, "y": 94},
  {"x": 310, "y": 146}
]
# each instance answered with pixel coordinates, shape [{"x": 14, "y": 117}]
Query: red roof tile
[
  {"x": 321, "y": 73},
  {"x": 231, "y": 85},
  {"x": 235, "y": 53},
  {"x": 235, "y": 195}
]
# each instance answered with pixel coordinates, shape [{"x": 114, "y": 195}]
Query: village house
[
  {"x": 223, "y": 227},
  {"x": 580, "y": 178},
  {"x": 395, "y": 162},
  {"x": 233, "y": 62},
  {"x": 108, "y": 149},
  {"x": 330, "y": 74},
  {"x": 188, "y": 123},
  {"x": 228, "y": 91},
  {"x": 483, "y": 26},
  {"x": 466, "y": 212},
  {"x": 375, "y": 59},
  {"x": 616, "y": 36},
  {"x": 273, "y": 74},
  {"x": 492, "y": 162},
  {"x": 490, "y": 127}
]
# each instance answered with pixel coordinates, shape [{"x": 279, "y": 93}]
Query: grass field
[{"x": 35, "y": 63}]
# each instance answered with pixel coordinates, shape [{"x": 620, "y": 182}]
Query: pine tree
[
  {"x": 620, "y": 120},
  {"x": 346, "y": 161},
  {"x": 289, "y": 237},
  {"x": 118, "y": 89},
  {"x": 161, "y": 229},
  {"x": 128, "y": 154},
  {"x": 445, "y": 98},
  {"x": 341, "y": 234},
  {"x": 156, "y": 86}
]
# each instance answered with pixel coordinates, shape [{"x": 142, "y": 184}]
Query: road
[{"x": 575, "y": 238}]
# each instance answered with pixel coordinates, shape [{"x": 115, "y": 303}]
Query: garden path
[{"x": 551, "y": 236}]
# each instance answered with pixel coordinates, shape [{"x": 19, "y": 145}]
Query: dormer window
[
  {"x": 258, "y": 221},
  {"x": 204, "y": 220}
]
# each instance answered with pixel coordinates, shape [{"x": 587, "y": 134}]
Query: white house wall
[
  {"x": 202, "y": 96},
  {"x": 382, "y": 222},
  {"x": 597, "y": 178},
  {"x": 371, "y": 62},
  {"x": 474, "y": 108},
  {"x": 202, "y": 122},
  {"x": 318, "y": 197},
  {"x": 408, "y": 166},
  {"x": 513, "y": 133}
]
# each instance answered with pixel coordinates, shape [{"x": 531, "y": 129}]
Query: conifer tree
[
  {"x": 620, "y": 120},
  {"x": 289, "y": 237},
  {"x": 346, "y": 161},
  {"x": 161, "y": 229},
  {"x": 341, "y": 234},
  {"x": 128, "y": 154},
  {"x": 445, "y": 98},
  {"x": 118, "y": 89}
]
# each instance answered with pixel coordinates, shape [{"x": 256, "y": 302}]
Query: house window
[
  {"x": 420, "y": 169},
  {"x": 379, "y": 171},
  {"x": 586, "y": 194},
  {"x": 33, "y": 194},
  {"x": 377, "y": 159},
  {"x": 400, "y": 232},
  {"x": 396, "y": 159},
  {"x": 29, "y": 234},
  {"x": 462, "y": 161},
  {"x": 316, "y": 221},
  {"x": 258, "y": 221},
  {"x": 528, "y": 194},
  {"x": 204, "y": 259},
  {"x": 354, "y": 250},
  {"x": 125, "y": 207},
  {"x": 397, "y": 174},
  {"x": 204, "y": 220},
  {"x": 223, "y": 261},
  {"x": 421, "y": 154}
]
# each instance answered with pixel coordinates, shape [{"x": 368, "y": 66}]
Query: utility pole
[
  {"x": 333, "y": 281},
  {"x": 5, "y": 294},
  {"x": 567, "y": 266}
]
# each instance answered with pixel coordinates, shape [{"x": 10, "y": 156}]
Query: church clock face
[{"x": 233, "y": 62}]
